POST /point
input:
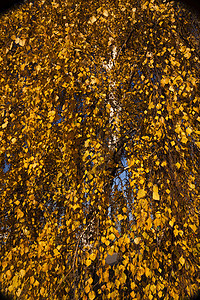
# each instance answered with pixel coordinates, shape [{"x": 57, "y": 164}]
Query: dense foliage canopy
[{"x": 100, "y": 150}]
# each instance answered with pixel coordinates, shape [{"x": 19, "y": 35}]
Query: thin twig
[{"x": 71, "y": 268}]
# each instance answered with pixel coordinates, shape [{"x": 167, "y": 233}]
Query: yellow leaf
[
  {"x": 160, "y": 294},
  {"x": 187, "y": 53},
  {"x": 120, "y": 217},
  {"x": 163, "y": 164},
  {"x": 184, "y": 139},
  {"x": 91, "y": 295},
  {"x": 111, "y": 236},
  {"x": 194, "y": 227},
  {"x": 164, "y": 81},
  {"x": 8, "y": 274},
  {"x": 22, "y": 273},
  {"x": 188, "y": 130},
  {"x": 149, "y": 223},
  {"x": 155, "y": 192},
  {"x": 141, "y": 193},
  {"x": 32, "y": 279},
  {"x": 182, "y": 260},
  {"x": 76, "y": 206},
  {"x": 103, "y": 239},
  {"x": 36, "y": 283},
  {"x": 42, "y": 291},
  {"x": 147, "y": 272},
  {"x": 176, "y": 231},
  {"x": 151, "y": 105},
  {"x": 157, "y": 222},
  {"x": 26, "y": 165},
  {"x": 178, "y": 165},
  {"x": 126, "y": 240},
  {"x": 45, "y": 267},
  {"x": 111, "y": 251},
  {"x": 90, "y": 280},
  {"x": 105, "y": 13},
  {"x": 156, "y": 263},
  {"x": 87, "y": 289},
  {"x": 18, "y": 292},
  {"x": 22, "y": 42},
  {"x": 20, "y": 214},
  {"x": 15, "y": 281},
  {"x": 4, "y": 125},
  {"x": 56, "y": 252},
  {"x": 137, "y": 240},
  {"x": 92, "y": 20},
  {"x": 92, "y": 256},
  {"x": 17, "y": 40},
  {"x": 87, "y": 142},
  {"x": 88, "y": 262},
  {"x": 123, "y": 278},
  {"x": 171, "y": 222}
]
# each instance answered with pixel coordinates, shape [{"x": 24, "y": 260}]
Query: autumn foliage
[{"x": 100, "y": 150}]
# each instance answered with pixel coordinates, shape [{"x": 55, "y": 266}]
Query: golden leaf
[
  {"x": 156, "y": 196},
  {"x": 171, "y": 222},
  {"x": 164, "y": 163},
  {"x": 22, "y": 42},
  {"x": 36, "y": 283},
  {"x": 178, "y": 165},
  {"x": 42, "y": 291},
  {"x": 92, "y": 256},
  {"x": 120, "y": 217},
  {"x": 56, "y": 252},
  {"x": 22, "y": 273},
  {"x": 92, "y": 20},
  {"x": 91, "y": 295},
  {"x": 188, "y": 130},
  {"x": 172, "y": 143},
  {"x": 184, "y": 139},
  {"x": 45, "y": 267},
  {"x": 193, "y": 227},
  {"x": 87, "y": 142},
  {"x": 147, "y": 272},
  {"x": 4, "y": 125},
  {"x": 141, "y": 193},
  {"x": 90, "y": 280},
  {"x": 87, "y": 288},
  {"x": 105, "y": 13},
  {"x": 8, "y": 274},
  {"x": 187, "y": 53},
  {"x": 137, "y": 240},
  {"x": 20, "y": 214},
  {"x": 126, "y": 240},
  {"x": 111, "y": 236},
  {"x": 156, "y": 264},
  {"x": 176, "y": 231},
  {"x": 88, "y": 262},
  {"x": 151, "y": 105},
  {"x": 182, "y": 260},
  {"x": 13, "y": 140},
  {"x": 32, "y": 279},
  {"x": 133, "y": 295}
]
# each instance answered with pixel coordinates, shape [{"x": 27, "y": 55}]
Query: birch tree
[{"x": 100, "y": 149}]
